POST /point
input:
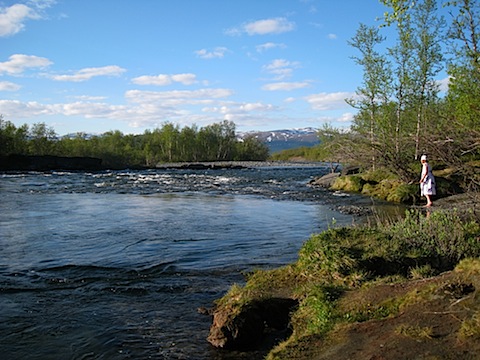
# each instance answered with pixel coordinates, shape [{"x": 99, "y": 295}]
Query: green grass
[{"x": 347, "y": 258}]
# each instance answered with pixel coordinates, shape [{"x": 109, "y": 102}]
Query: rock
[
  {"x": 350, "y": 170},
  {"x": 246, "y": 329},
  {"x": 325, "y": 181},
  {"x": 354, "y": 210},
  {"x": 47, "y": 163}
]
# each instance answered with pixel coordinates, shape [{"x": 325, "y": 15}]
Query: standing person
[{"x": 427, "y": 181}]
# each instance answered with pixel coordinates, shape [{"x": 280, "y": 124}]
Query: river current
[{"x": 115, "y": 264}]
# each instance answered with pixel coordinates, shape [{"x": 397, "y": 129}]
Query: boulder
[
  {"x": 246, "y": 329},
  {"x": 350, "y": 170},
  {"x": 325, "y": 181}
]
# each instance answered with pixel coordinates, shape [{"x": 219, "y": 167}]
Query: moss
[
  {"x": 350, "y": 183},
  {"x": 470, "y": 328},
  {"x": 378, "y": 184},
  {"x": 403, "y": 193},
  {"x": 415, "y": 332}
]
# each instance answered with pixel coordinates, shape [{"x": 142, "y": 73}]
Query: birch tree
[
  {"x": 427, "y": 31},
  {"x": 375, "y": 89}
]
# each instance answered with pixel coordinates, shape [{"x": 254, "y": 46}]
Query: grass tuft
[{"x": 415, "y": 332}]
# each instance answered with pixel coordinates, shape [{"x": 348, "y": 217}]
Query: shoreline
[
  {"x": 391, "y": 311},
  {"x": 238, "y": 164},
  {"x": 57, "y": 163}
]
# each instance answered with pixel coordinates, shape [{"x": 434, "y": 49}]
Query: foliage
[
  {"x": 400, "y": 111},
  {"x": 216, "y": 142},
  {"x": 442, "y": 235}
]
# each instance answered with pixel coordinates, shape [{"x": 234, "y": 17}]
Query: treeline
[
  {"x": 402, "y": 112},
  {"x": 216, "y": 142}
]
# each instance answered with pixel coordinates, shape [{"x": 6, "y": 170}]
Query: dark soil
[{"x": 428, "y": 328}]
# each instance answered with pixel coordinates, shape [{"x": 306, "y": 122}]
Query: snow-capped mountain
[{"x": 278, "y": 140}]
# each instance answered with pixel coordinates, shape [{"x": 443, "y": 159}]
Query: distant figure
[{"x": 427, "y": 181}]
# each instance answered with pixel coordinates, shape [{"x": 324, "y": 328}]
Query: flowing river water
[{"x": 115, "y": 264}]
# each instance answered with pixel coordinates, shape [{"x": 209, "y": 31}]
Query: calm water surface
[{"x": 114, "y": 265}]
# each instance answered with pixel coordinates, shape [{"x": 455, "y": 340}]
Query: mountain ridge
[{"x": 284, "y": 139}]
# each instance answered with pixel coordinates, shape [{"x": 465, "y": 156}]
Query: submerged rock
[{"x": 354, "y": 210}]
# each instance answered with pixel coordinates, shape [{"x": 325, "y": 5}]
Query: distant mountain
[{"x": 278, "y": 140}]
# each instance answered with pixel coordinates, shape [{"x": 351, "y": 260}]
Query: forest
[{"x": 216, "y": 142}]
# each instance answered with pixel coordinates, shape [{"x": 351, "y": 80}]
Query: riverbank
[
  {"x": 237, "y": 164},
  {"x": 402, "y": 291},
  {"x": 51, "y": 163}
]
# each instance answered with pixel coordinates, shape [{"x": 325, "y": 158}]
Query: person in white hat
[{"x": 427, "y": 181}]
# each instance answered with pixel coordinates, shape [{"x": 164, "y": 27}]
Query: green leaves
[{"x": 216, "y": 142}]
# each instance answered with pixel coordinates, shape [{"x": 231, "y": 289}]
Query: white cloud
[
  {"x": 177, "y": 97},
  {"x": 268, "y": 46},
  {"x": 18, "y": 63},
  {"x": 346, "y": 117},
  {"x": 88, "y": 73},
  {"x": 9, "y": 86},
  {"x": 332, "y": 36},
  {"x": 217, "y": 53},
  {"x": 328, "y": 101},
  {"x": 12, "y": 19},
  {"x": 159, "y": 80},
  {"x": 144, "y": 105},
  {"x": 185, "y": 79},
  {"x": 281, "y": 68},
  {"x": 264, "y": 27},
  {"x": 242, "y": 114},
  {"x": 443, "y": 84},
  {"x": 237, "y": 109},
  {"x": 87, "y": 109},
  {"x": 150, "y": 109},
  {"x": 164, "y": 79},
  {"x": 89, "y": 98},
  {"x": 17, "y": 109},
  {"x": 42, "y": 4},
  {"x": 285, "y": 86}
]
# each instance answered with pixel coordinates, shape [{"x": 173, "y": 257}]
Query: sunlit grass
[{"x": 358, "y": 258}]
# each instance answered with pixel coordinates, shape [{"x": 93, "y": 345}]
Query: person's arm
[{"x": 424, "y": 173}]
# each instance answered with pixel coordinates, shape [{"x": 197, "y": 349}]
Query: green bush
[{"x": 441, "y": 234}]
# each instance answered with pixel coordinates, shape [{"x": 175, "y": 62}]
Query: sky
[{"x": 133, "y": 65}]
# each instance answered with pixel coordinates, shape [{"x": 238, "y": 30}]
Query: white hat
[{"x": 424, "y": 157}]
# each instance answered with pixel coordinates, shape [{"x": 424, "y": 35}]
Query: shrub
[{"x": 442, "y": 234}]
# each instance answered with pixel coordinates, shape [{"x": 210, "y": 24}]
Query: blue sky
[{"x": 130, "y": 65}]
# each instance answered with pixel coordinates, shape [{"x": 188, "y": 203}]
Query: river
[{"x": 115, "y": 264}]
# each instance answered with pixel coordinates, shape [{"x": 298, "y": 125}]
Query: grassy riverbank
[{"x": 402, "y": 290}]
